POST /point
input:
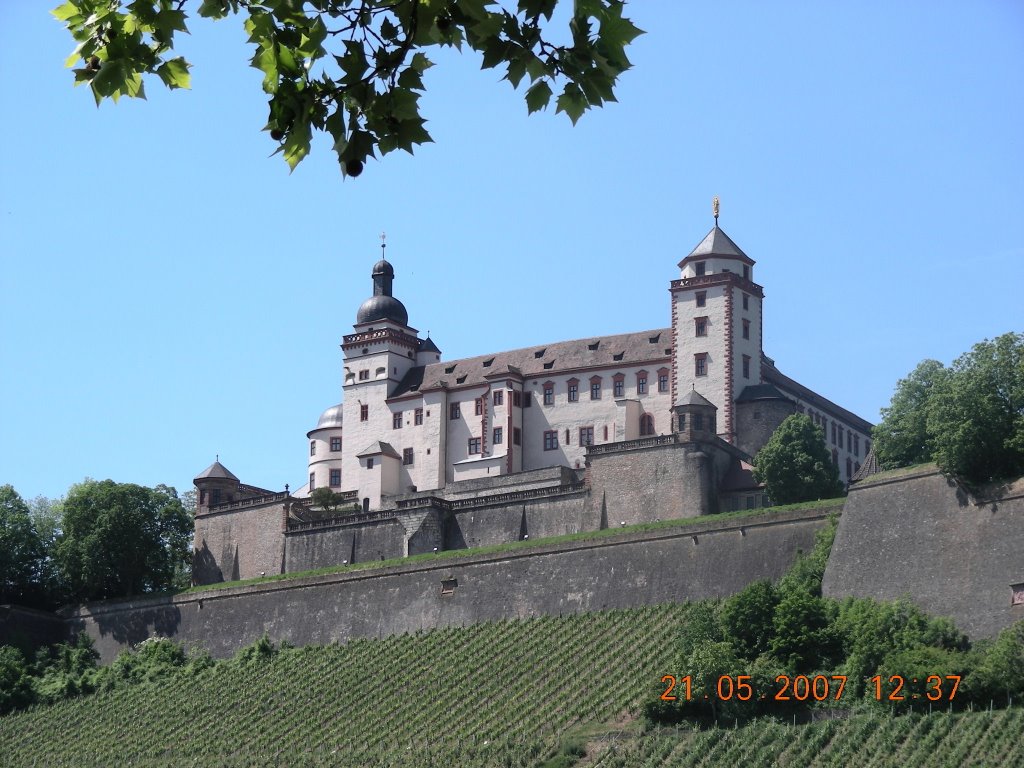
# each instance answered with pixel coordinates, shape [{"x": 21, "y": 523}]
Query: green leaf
[
  {"x": 110, "y": 78},
  {"x": 538, "y": 96},
  {"x": 572, "y": 102},
  {"x": 266, "y": 61},
  {"x": 175, "y": 74},
  {"x": 421, "y": 63},
  {"x": 296, "y": 146},
  {"x": 66, "y": 12}
]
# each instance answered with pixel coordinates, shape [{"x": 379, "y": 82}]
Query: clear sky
[{"x": 170, "y": 292}]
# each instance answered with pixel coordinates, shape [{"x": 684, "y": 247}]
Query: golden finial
[{"x": 714, "y": 208}]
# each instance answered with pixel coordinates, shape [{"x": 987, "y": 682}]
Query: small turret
[{"x": 216, "y": 485}]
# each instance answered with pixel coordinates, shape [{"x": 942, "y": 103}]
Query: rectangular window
[
  {"x": 549, "y": 394},
  {"x": 746, "y": 366},
  {"x": 698, "y": 422},
  {"x": 364, "y": 412},
  {"x": 517, "y": 436},
  {"x": 641, "y": 385},
  {"x": 856, "y": 446},
  {"x": 364, "y": 374},
  {"x": 335, "y": 444},
  {"x": 417, "y": 417},
  {"x": 595, "y": 390},
  {"x": 499, "y": 397},
  {"x": 454, "y": 411},
  {"x": 335, "y": 478},
  {"x": 567, "y": 440},
  {"x": 369, "y": 463},
  {"x": 407, "y": 456},
  {"x": 702, "y": 298},
  {"x": 396, "y": 420},
  {"x": 840, "y": 435},
  {"x": 312, "y": 447},
  {"x": 746, "y": 329},
  {"x": 833, "y": 433},
  {"x": 663, "y": 382},
  {"x": 550, "y": 440},
  {"x": 700, "y": 269},
  {"x": 478, "y": 406},
  {"x": 586, "y": 435},
  {"x": 617, "y": 387},
  {"x": 606, "y": 433},
  {"x": 312, "y": 486},
  {"x": 700, "y": 365},
  {"x": 746, "y": 272},
  {"x": 701, "y": 326},
  {"x": 746, "y": 301},
  {"x": 574, "y": 393},
  {"x": 516, "y": 398},
  {"x": 527, "y": 399},
  {"x": 474, "y": 445},
  {"x": 497, "y": 436}
]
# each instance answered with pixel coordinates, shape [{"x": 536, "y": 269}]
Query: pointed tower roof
[
  {"x": 216, "y": 471},
  {"x": 428, "y": 345},
  {"x": 716, "y": 243},
  {"x": 693, "y": 397}
]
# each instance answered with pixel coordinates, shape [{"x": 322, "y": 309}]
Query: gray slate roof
[
  {"x": 216, "y": 471},
  {"x": 542, "y": 361},
  {"x": 717, "y": 243},
  {"x": 693, "y": 397},
  {"x": 760, "y": 392},
  {"x": 377, "y": 448},
  {"x": 772, "y": 374}
]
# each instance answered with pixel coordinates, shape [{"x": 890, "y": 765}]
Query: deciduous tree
[
  {"x": 354, "y": 68},
  {"x": 120, "y": 539},
  {"x": 22, "y": 551},
  {"x": 795, "y": 465},
  {"x": 902, "y": 438}
]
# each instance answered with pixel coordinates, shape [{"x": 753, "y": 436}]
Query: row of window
[
  {"x": 700, "y": 326},
  {"x": 335, "y": 446},
  {"x": 852, "y": 439}
]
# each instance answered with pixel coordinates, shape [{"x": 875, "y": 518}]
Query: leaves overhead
[{"x": 354, "y": 68}]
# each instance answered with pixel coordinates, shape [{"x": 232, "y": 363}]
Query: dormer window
[{"x": 700, "y": 269}]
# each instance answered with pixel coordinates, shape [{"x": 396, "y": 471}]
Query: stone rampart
[
  {"x": 705, "y": 558},
  {"x": 922, "y": 536}
]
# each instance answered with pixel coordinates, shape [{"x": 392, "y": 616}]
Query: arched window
[{"x": 646, "y": 424}]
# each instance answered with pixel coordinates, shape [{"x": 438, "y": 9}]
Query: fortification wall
[
  {"x": 921, "y": 536},
  {"x": 307, "y": 550},
  {"x": 654, "y": 479},
  {"x": 706, "y": 558},
  {"x": 501, "y": 523},
  {"x": 27, "y": 628},
  {"x": 240, "y": 543}
]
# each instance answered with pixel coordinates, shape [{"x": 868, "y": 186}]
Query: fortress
[
  {"x": 427, "y": 454},
  {"x": 569, "y": 437}
]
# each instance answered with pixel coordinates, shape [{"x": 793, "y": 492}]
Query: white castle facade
[{"x": 410, "y": 421}]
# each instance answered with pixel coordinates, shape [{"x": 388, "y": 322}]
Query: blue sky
[{"x": 170, "y": 292}]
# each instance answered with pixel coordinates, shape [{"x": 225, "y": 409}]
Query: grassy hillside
[{"x": 512, "y": 693}]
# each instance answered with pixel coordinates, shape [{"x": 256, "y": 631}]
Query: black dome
[
  {"x": 382, "y": 308},
  {"x": 383, "y": 267}
]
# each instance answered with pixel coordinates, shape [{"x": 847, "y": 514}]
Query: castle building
[
  {"x": 409, "y": 421},
  {"x": 430, "y": 445}
]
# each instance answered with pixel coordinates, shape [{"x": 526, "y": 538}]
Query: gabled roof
[
  {"x": 772, "y": 374},
  {"x": 717, "y": 243},
  {"x": 378, "y": 448},
  {"x": 216, "y": 471},
  {"x": 626, "y": 350}
]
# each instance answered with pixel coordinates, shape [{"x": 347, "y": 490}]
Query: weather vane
[
  {"x": 714, "y": 208},
  {"x": 383, "y": 244}
]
